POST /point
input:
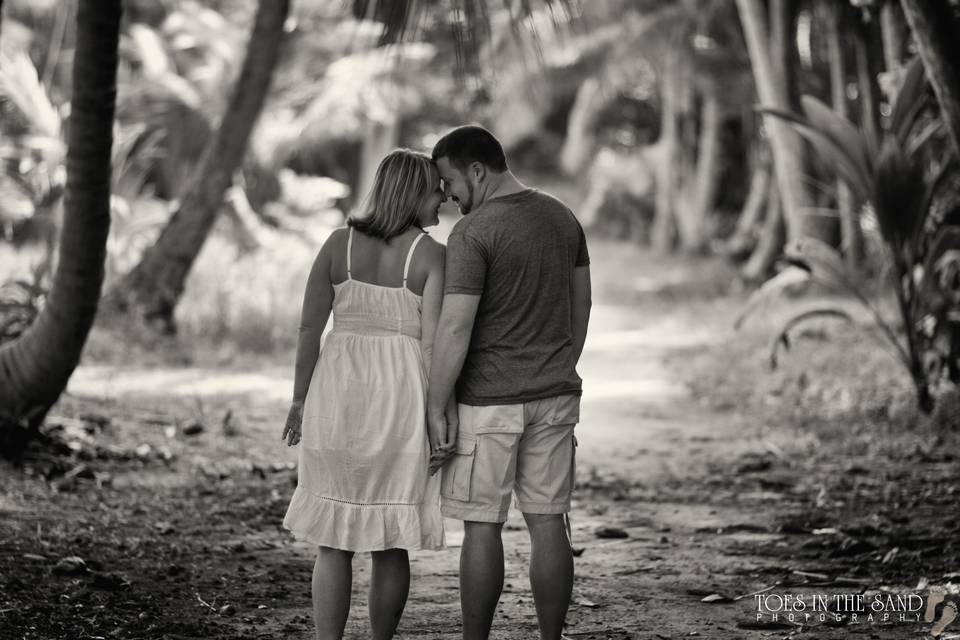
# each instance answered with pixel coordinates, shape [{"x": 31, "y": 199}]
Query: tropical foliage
[{"x": 902, "y": 174}]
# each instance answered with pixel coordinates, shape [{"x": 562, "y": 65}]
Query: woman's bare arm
[{"x": 317, "y": 303}]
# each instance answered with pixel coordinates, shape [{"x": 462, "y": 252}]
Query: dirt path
[{"x": 708, "y": 502}]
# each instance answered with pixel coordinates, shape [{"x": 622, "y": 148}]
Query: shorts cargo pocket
[
  {"x": 458, "y": 473},
  {"x": 500, "y": 418}
]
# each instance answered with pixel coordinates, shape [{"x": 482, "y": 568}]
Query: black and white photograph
[{"x": 479, "y": 320}]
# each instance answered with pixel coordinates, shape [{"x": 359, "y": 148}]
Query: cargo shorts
[{"x": 528, "y": 449}]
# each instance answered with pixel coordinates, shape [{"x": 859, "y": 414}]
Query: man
[{"x": 512, "y": 327}]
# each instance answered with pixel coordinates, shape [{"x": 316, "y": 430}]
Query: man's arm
[
  {"x": 580, "y": 308},
  {"x": 449, "y": 351}
]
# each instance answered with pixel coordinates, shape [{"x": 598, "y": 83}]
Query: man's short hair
[{"x": 471, "y": 143}]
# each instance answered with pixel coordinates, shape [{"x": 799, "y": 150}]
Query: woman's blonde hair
[{"x": 404, "y": 181}]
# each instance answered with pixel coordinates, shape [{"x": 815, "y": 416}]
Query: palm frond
[
  {"x": 841, "y": 131},
  {"x": 789, "y": 278},
  {"x": 898, "y": 194},
  {"x": 146, "y": 46},
  {"x": 20, "y": 85},
  {"x": 909, "y": 101},
  {"x": 783, "y": 337},
  {"x": 845, "y": 163}
]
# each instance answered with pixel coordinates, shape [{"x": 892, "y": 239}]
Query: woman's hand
[{"x": 292, "y": 430}]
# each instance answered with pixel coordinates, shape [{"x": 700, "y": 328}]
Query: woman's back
[
  {"x": 382, "y": 263},
  {"x": 377, "y": 304}
]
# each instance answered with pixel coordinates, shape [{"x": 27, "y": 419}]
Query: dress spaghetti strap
[
  {"x": 349, "y": 246},
  {"x": 406, "y": 265}
]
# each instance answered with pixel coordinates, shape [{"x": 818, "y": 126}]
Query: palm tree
[
  {"x": 935, "y": 26},
  {"x": 35, "y": 368},
  {"x": 155, "y": 285}
]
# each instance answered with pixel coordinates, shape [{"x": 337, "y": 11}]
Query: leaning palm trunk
[
  {"x": 579, "y": 141},
  {"x": 771, "y": 239},
  {"x": 934, "y": 31},
  {"x": 693, "y": 221},
  {"x": 155, "y": 285},
  {"x": 744, "y": 237},
  {"x": 785, "y": 144},
  {"x": 664, "y": 223},
  {"x": 35, "y": 368}
]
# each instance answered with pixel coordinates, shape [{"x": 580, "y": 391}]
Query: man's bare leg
[
  {"x": 481, "y": 577},
  {"x": 551, "y": 572}
]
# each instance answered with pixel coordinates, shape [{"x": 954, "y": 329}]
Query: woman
[{"x": 359, "y": 402}]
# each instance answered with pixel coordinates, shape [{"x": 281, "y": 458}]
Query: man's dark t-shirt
[{"x": 518, "y": 252}]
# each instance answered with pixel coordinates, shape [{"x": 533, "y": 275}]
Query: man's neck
[{"x": 500, "y": 185}]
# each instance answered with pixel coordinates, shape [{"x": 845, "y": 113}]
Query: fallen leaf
[
  {"x": 109, "y": 581},
  {"x": 164, "y": 528},
  {"x": 193, "y": 428},
  {"x": 716, "y": 598},
  {"x": 70, "y": 566},
  {"x": 611, "y": 533}
]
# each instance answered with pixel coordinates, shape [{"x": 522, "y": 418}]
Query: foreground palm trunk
[
  {"x": 154, "y": 286},
  {"x": 35, "y": 368},
  {"x": 785, "y": 144}
]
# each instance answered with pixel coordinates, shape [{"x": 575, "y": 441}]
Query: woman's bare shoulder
[
  {"x": 336, "y": 238},
  {"x": 433, "y": 250}
]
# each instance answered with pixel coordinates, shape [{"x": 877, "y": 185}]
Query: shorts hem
[
  {"x": 473, "y": 514},
  {"x": 545, "y": 509}
]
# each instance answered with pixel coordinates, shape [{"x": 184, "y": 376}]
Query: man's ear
[{"x": 477, "y": 172}]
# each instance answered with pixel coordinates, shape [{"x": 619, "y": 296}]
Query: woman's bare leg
[
  {"x": 332, "y": 582},
  {"x": 389, "y": 586}
]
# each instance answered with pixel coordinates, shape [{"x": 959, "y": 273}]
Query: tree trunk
[
  {"x": 893, "y": 31},
  {"x": 771, "y": 240},
  {"x": 935, "y": 32},
  {"x": 155, "y": 285},
  {"x": 379, "y": 139},
  {"x": 663, "y": 232},
  {"x": 692, "y": 219},
  {"x": 744, "y": 237},
  {"x": 850, "y": 234},
  {"x": 579, "y": 141},
  {"x": 867, "y": 72},
  {"x": 35, "y": 368},
  {"x": 785, "y": 144}
]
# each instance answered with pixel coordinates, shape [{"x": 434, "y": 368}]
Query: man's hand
[
  {"x": 442, "y": 446},
  {"x": 292, "y": 430}
]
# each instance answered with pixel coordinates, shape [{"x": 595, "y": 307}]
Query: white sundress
[{"x": 363, "y": 482}]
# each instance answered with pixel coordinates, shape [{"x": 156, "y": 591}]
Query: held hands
[
  {"x": 292, "y": 430},
  {"x": 442, "y": 430}
]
